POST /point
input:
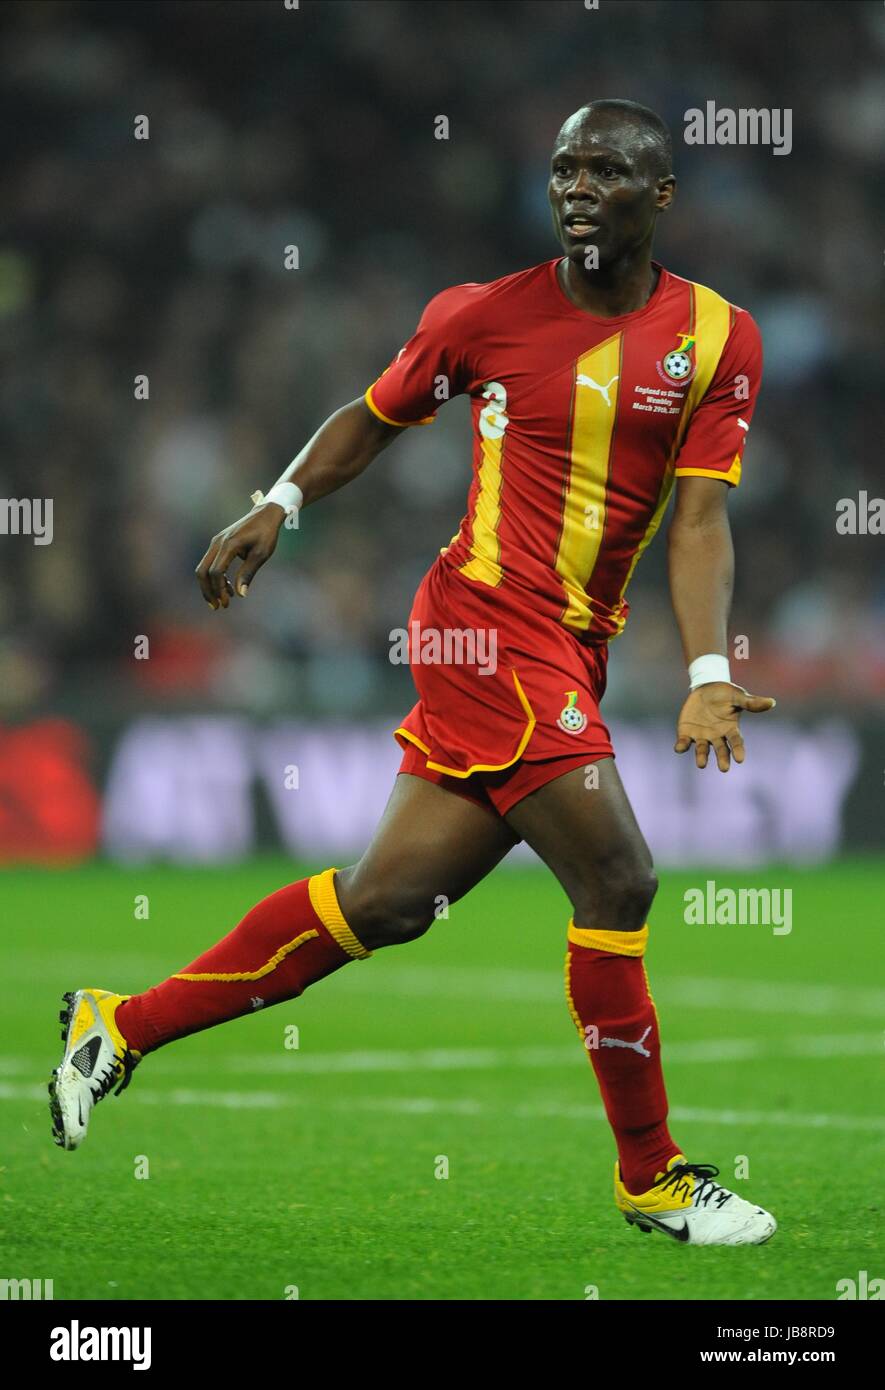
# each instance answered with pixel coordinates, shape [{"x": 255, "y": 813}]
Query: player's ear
[{"x": 666, "y": 192}]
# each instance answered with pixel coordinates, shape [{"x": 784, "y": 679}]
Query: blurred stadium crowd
[{"x": 314, "y": 127}]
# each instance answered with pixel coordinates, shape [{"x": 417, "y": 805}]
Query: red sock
[
  {"x": 285, "y": 943},
  {"x": 607, "y": 991}
]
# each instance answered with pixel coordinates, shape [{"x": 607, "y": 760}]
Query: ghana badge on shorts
[{"x": 571, "y": 719}]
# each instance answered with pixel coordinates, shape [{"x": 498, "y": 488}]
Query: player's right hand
[{"x": 252, "y": 539}]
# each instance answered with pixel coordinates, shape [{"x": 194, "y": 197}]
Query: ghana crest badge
[
  {"x": 571, "y": 719},
  {"x": 677, "y": 364}
]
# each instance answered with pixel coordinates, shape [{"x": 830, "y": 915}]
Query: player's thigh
[
  {"x": 585, "y": 831},
  {"x": 431, "y": 844}
]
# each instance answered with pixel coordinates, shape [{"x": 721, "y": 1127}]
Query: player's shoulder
[
  {"x": 476, "y": 296},
  {"x": 742, "y": 326}
]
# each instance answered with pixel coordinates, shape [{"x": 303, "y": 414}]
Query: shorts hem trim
[{"x": 480, "y": 767}]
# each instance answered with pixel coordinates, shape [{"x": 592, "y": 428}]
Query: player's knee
[
  {"x": 393, "y": 922},
  {"x": 638, "y": 894},
  {"x": 401, "y": 922},
  {"x": 620, "y": 897},
  {"x": 385, "y": 915}
]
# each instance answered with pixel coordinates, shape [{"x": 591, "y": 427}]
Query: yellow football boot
[
  {"x": 96, "y": 1059},
  {"x": 687, "y": 1205}
]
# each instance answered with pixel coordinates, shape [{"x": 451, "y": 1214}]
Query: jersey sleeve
[
  {"x": 714, "y": 442},
  {"x": 428, "y": 371}
]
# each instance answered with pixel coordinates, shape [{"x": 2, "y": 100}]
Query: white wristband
[
  {"x": 286, "y": 495},
  {"x": 706, "y": 669}
]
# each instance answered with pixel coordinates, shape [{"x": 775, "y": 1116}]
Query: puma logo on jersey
[
  {"x": 634, "y": 1046},
  {"x": 603, "y": 390}
]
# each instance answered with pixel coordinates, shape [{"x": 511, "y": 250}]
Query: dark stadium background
[
  {"x": 146, "y": 804},
  {"x": 314, "y": 127}
]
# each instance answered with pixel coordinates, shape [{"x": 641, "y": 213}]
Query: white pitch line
[
  {"x": 492, "y": 1059},
  {"x": 493, "y": 985},
  {"x": 688, "y": 1114},
  {"x": 429, "y": 1105},
  {"x": 296, "y": 1062},
  {"x": 770, "y": 996}
]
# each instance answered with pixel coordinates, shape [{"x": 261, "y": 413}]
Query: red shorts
[{"x": 508, "y": 700}]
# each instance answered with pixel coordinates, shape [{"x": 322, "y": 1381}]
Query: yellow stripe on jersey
[
  {"x": 710, "y": 327},
  {"x": 401, "y": 424},
  {"x": 657, "y": 516},
  {"x": 597, "y": 374},
  {"x": 485, "y": 547},
  {"x": 732, "y": 474}
]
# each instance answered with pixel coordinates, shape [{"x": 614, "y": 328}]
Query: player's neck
[{"x": 610, "y": 291}]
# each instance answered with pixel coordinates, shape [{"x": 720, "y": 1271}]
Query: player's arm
[
  {"x": 407, "y": 393},
  {"x": 700, "y": 559},
  {"x": 339, "y": 451}
]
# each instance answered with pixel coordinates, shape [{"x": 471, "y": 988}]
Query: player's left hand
[{"x": 709, "y": 719}]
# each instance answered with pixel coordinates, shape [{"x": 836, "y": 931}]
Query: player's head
[{"x": 612, "y": 166}]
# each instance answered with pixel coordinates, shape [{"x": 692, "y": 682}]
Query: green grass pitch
[{"x": 273, "y": 1168}]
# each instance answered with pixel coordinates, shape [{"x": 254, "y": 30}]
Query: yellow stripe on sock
[
  {"x": 265, "y": 969},
  {"x": 569, "y": 997},
  {"x": 617, "y": 943},
  {"x": 652, "y": 998},
  {"x": 325, "y": 904}
]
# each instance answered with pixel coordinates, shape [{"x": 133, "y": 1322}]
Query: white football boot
[
  {"x": 96, "y": 1059},
  {"x": 687, "y": 1205}
]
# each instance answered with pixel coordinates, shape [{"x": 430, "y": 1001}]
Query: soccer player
[{"x": 599, "y": 381}]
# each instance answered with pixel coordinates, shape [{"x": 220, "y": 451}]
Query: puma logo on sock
[{"x": 634, "y": 1046}]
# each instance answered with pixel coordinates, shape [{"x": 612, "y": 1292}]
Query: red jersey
[{"x": 580, "y": 426}]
